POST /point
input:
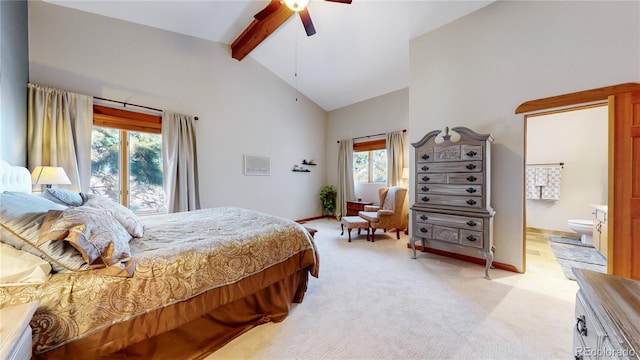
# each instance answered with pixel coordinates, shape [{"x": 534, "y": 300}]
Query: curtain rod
[
  {"x": 126, "y": 103},
  {"x": 368, "y": 136},
  {"x": 560, "y": 163}
]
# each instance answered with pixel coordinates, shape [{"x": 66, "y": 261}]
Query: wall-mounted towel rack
[{"x": 560, "y": 163}]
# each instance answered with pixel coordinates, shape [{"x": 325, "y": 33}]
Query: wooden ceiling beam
[{"x": 257, "y": 31}]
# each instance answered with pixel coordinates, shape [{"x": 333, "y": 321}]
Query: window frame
[
  {"x": 370, "y": 146},
  {"x": 125, "y": 121}
]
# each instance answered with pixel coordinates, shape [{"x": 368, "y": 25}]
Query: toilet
[{"x": 584, "y": 228}]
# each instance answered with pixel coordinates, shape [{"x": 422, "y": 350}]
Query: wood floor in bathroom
[{"x": 540, "y": 257}]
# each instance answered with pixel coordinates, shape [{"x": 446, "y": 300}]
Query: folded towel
[
  {"x": 542, "y": 175},
  {"x": 532, "y": 191},
  {"x": 552, "y": 190}
]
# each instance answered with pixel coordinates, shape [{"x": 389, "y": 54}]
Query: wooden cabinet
[
  {"x": 452, "y": 192},
  {"x": 353, "y": 207},
  {"x": 607, "y": 317},
  {"x": 600, "y": 228}
]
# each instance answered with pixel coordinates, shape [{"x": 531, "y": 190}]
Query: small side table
[
  {"x": 354, "y": 206},
  {"x": 15, "y": 332}
]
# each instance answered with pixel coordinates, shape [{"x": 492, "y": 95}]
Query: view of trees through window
[
  {"x": 143, "y": 157},
  {"x": 370, "y": 166}
]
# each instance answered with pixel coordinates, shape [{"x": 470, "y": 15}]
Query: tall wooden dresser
[{"x": 453, "y": 192}]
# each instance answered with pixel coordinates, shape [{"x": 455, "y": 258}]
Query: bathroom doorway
[{"x": 573, "y": 144}]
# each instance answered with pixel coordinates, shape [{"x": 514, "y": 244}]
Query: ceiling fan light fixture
[{"x": 296, "y": 5}]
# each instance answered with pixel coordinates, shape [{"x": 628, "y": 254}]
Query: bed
[{"x": 188, "y": 284}]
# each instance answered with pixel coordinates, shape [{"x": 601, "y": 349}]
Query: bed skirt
[{"x": 194, "y": 328}]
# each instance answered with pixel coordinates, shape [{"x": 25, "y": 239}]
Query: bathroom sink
[{"x": 603, "y": 208}]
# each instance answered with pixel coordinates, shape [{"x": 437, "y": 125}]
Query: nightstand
[
  {"x": 15, "y": 332},
  {"x": 353, "y": 207}
]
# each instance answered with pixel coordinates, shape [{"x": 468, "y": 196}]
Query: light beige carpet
[{"x": 372, "y": 301}]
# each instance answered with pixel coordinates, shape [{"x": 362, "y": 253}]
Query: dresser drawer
[
  {"x": 446, "y": 167},
  {"x": 445, "y": 233},
  {"x": 471, "y": 238},
  {"x": 587, "y": 327},
  {"x": 580, "y": 350},
  {"x": 471, "y": 152},
  {"x": 432, "y": 178},
  {"x": 424, "y": 155},
  {"x": 448, "y": 189},
  {"x": 472, "y": 202},
  {"x": 462, "y": 222},
  {"x": 423, "y": 230},
  {"x": 464, "y": 178}
]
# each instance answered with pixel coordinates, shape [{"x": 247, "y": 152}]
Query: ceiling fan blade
[
  {"x": 340, "y": 1},
  {"x": 268, "y": 10},
  {"x": 306, "y": 21}
]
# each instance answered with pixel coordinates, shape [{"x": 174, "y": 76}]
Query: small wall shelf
[{"x": 302, "y": 167}]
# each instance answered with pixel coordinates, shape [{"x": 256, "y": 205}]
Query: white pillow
[
  {"x": 125, "y": 216},
  {"x": 21, "y": 217},
  {"x": 63, "y": 196},
  {"x": 21, "y": 268}
]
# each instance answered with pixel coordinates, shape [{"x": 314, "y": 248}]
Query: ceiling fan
[{"x": 268, "y": 20}]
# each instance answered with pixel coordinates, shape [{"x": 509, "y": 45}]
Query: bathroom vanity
[{"x": 600, "y": 228}]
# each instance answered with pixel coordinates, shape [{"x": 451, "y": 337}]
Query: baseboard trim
[
  {"x": 466, "y": 258},
  {"x": 302, "y": 221},
  {"x": 553, "y": 232}
]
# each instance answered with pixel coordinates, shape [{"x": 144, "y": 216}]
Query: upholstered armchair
[{"x": 391, "y": 213}]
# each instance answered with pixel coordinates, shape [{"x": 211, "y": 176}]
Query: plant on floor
[{"x": 328, "y": 198}]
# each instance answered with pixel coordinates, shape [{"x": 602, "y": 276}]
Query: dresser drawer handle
[
  {"x": 424, "y": 217},
  {"x": 471, "y": 238},
  {"x": 471, "y": 190},
  {"x": 578, "y": 357},
  {"x": 471, "y": 223},
  {"x": 470, "y": 166},
  {"x": 424, "y": 230},
  {"x": 424, "y": 188},
  {"x": 424, "y": 198},
  {"x": 471, "y": 202},
  {"x": 425, "y": 168},
  {"x": 472, "y": 178},
  {"x": 472, "y": 153},
  {"x": 425, "y": 178},
  {"x": 581, "y": 325},
  {"x": 425, "y": 157}
]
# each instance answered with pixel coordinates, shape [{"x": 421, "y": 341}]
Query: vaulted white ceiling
[{"x": 360, "y": 50}]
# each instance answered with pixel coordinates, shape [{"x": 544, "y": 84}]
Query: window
[
  {"x": 126, "y": 159},
  {"x": 370, "y": 161}
]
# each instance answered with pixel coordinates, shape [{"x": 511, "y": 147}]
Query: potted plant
[{"x": 328, "y": 198}]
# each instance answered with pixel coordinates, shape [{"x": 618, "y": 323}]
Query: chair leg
[
  {"x": 373, "y": 233},
  {"x": 349, "y": 231},
  {"x": 398, "y": 234},
  {"x": 342, "y": 227}
]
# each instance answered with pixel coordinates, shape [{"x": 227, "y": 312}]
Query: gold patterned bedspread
[{"x": 180, "y": 256}]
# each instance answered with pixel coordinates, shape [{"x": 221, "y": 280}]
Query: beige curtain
[
  {"x": 59, "y": 126},
  {"x": 345, "y": 177},
  {"x": 395, "y": 157},
  {"x": 180, "y": 165}
]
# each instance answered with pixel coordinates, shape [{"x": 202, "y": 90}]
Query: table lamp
[{"x": 49, "y": 175}]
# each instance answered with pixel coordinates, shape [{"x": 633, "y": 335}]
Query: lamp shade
[{"x": 49, "y": 175}]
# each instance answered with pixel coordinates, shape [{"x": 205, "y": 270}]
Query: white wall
[
  {"x": 474, "y": 72},
  {"x": 382, "y": 114},
  {"x": 243, "y": 108},
  {"x": 14, "y": 73},
  {"x": 579, "y": 139}
]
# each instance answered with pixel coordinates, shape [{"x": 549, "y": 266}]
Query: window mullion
[{"x": 124, "y": 166}]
